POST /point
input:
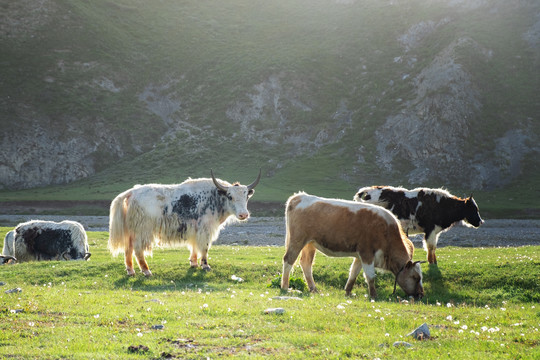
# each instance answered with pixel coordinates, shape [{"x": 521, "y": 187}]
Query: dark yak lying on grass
[{"x": 38, "y": 240}]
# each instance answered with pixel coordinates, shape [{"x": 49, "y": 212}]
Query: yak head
[{"x": 237, "y": 195}]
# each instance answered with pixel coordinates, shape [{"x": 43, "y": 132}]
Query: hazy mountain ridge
[{"x": 421, "y": 104}]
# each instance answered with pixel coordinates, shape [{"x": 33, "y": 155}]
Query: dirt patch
[
  {"x": 270, "y": 231},
  {"x": 267, "y": 226}
]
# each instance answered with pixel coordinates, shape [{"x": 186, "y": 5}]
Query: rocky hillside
[{"x": 414, "y": 92}]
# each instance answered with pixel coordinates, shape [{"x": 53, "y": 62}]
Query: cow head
[
  {"x": 409, "y": 279},
  {"x": 237, "y": 196},
  {"x": 472, "y": 214}
]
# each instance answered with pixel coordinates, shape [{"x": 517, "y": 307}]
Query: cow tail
[{"x": 118, "y": 234}]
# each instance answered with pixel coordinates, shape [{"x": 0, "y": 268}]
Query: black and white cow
[
  {"x": 423, "y": 210},
  {"x": 38, "y": 240},
  {"x": 190, "y": 213}
]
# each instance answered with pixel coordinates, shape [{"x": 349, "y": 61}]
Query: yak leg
[
  {"x": 356, "y": 266},
  {"x": 204, "y": 260},
  {"x": 306, "y": 262},
  {"x": 193, "y": 259},
  {"x": 369, "y": 275},
  {"x": 142, "y": 262},
  {"x": 288, "y": 261},
  {"x": 128, "y": 253}
]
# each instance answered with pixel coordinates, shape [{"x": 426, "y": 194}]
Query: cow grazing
[
  {"x": 38, "y": 240},
  {"x": 340, "y": 228},
  {"x": 423, "y": 210},
  {"x": 190, "y": 213}
]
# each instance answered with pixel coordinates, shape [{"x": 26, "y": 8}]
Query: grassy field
[{"x": 480, "y": 302}]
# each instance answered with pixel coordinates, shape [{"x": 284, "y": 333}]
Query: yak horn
[
  {"x": 87, "y": 256},
  {"x": 218, "y": 185},
  {"x": 253, "y": 184}
]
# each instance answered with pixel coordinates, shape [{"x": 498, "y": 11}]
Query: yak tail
[{"x": 118, "y": 232}]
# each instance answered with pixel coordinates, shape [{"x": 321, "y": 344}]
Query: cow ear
[
  {"x": 251, "y": 192},
  {"x": 409, "y": 264}
]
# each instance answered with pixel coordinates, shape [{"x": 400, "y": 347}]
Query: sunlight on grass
[{"x": 479, "y": 301}]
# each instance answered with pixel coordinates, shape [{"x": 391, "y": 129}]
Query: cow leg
[
  {"x": 288, "y": 261},
  {"x": 139, "y": 254},
  {"x": 356, "y": 266},
  {"x": 128, "y": 253},
  {"x": 369, "y": 275},
  {"x": 306, "y": 262},
  {"x": 431, "y": 246}
]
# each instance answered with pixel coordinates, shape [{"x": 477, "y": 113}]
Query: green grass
[{"x": 480, "y": 302}]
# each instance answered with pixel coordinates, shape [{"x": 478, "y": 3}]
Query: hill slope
[{"x": 323, "y": 95}]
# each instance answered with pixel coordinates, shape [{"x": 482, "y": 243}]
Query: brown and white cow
[
  {"x": 38, "y": 240},
  {"x": 190, "y": 213},
  {"x": 423, "y": 210},
  {"x": 370, "y": 234}
]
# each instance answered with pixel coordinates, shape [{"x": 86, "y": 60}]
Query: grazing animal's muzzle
[{"x": 419, "y": 293}]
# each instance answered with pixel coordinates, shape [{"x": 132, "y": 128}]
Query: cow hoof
[
  {"x": 206, "y": 267},
  {"x": 193, "y": 265},
  {"x": 147, "y": 273},
  {"x": 130, "y": 272}
]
